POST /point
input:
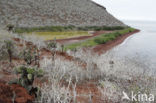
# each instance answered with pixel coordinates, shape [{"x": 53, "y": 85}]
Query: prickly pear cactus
[{"x": 27, "y": 78}]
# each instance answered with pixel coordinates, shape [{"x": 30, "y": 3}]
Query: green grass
[
  {"x": 60, "y": 35},
  {"x": 64, "y": 28},
  {"x": 101, "y": 39}
]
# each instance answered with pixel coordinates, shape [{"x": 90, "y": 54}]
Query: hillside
[{"x": 33, "y": 13}]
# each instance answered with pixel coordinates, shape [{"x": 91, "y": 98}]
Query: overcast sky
[{"x": 131, "y": 9}]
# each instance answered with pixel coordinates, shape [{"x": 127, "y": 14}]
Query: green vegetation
[
  {"x": 98, "y": 28},
  {"x": 102, "y": 39},
  {"x": 64, "y": 28},
  {"x": 43, "y": 29},
  {"x": 35, "y": 71}
]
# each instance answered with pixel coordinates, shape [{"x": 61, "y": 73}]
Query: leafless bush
[{"x": 53, "y": 93}]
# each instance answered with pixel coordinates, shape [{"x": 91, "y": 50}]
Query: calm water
[{"x": 140, "y": 47}]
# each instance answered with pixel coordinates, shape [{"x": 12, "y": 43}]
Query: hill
[{"x": 34, "y": 13}]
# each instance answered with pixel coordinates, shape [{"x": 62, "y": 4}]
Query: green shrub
[
  {"x": 101, "y": 40},
  {"x": 117, "y": 34},
  {"x": 111, "y": 37}
]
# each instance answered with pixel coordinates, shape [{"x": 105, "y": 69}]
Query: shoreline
[{"x": 109, "y": 45}]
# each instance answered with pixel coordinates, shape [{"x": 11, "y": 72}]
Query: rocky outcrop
[{"x": 33, "y": 13}]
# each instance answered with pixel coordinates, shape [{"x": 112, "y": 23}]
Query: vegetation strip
[
  {"x": 64, "y": 28},
  {"x": 104, "y": 47},
  {"x": 101, "y": 39}
]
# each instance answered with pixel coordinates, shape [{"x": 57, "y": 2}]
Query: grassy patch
[
  {"x": 43, "y": 29},
  {"x": 102, "y": 39},
  {"x": 64, "y": 28},
  {"x": 60, "y": 35}
]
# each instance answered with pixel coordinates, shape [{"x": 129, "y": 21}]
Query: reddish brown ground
[
  {"x": 16, "y": 93},
  {"x": 88, "y": 92}
]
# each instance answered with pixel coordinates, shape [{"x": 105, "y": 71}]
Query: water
[{"x": 140, "y": 47}]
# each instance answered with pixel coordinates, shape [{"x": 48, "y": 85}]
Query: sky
[{"x": 131, "y": 9}]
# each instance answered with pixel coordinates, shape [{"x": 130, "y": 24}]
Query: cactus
[
  {"x": 28, "y": 56},
  {"x": 9, "y": 47},
  {"x": 37, "y": 57},
  {"x": 27, "y": 78},
  {"x": 62, "y": 48},
  {"x": 52, "y": 46},
  {"x": 31, "y": 54}
]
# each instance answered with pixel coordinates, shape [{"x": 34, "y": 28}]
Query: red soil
[
  {"x": 109, "y": 45},
  {"x": 20, "y": 94},
  {"x": 88, "y": 92}
]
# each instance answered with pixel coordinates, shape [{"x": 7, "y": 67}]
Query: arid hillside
[{"x": 32, "y": 13}]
